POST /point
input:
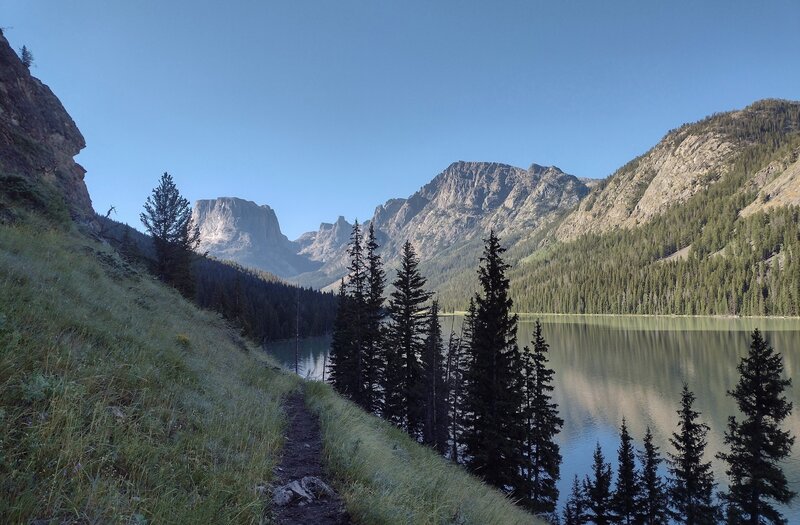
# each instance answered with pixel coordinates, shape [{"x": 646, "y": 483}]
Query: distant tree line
[
  {"x": 263, "y": 306},
  {"x": 734, "y": 265},
  {"x": 484, "y": 403}
]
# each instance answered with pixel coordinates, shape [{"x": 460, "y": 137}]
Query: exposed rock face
[
  {"x": 327, "y": 242},
  {"x": 243, "y": 231},
  {"x": 778, "y": 185},
  {"x": 679, "y": 166},
  {"x": 460, "y": 204},
  {"x": 470, "y": 198},
  {"x": 38, "y": 138}
]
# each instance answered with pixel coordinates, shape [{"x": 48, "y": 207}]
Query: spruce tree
[
  {"x": 434, "y": 428},
  {"x": 626, "y": 493},
  {"x": 26, "y": 56},
  {"x": 599, "y": 500},
  {"x": 492, "y": 435},
  {"x": 653, "y": 495},
  {"x": 542, "y": 458},
  {"x": 167, "y": 217},
  {"x": 758, "y": 443},
  {"x": 691, "y": 480},
  {"x": 373, "y": 327},
  {"x": 404, "y": 345},
  {"x": 456, "y": 370},
  {"x": 357, "y": 298},
  {"x": 575, "y": 511},
  {"x": 340, "y": 363}
]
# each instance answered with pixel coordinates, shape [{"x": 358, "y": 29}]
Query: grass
[
  {"x": 386, "y": 478},
  {"x": 120, "y": 402}
]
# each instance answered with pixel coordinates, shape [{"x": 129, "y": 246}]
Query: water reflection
[{"x": 608, "y": 367}]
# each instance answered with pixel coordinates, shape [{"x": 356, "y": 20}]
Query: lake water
[{"x": 610, "y": 367}]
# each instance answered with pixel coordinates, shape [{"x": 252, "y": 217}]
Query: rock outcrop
[
  {"x": 242, "y": 231},
  {"x": 38, "y": 138}
]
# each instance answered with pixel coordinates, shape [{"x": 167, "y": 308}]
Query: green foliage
[
  {"x": 19, "y": 195},
  {"x": 653, "y": 496},
  {"x": 387, "y": 478},
  {"x": 434, "y": 386},
  {"x": 597, "y": 490},
  {"x": 26, "y": 56},
  {"x": 691, "y": 490},
  {"x": 758, "y": 443},
  {"x": 104, "y": 417},
  {"x": 626, "y": 495}
]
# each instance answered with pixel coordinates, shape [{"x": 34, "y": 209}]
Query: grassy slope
[{"x": 120, "y": 402}]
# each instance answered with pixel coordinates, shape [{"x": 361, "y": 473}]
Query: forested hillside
[{"x": 702, "y": 256}]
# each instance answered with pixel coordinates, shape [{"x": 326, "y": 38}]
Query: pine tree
[
  {"x": 26, "y": 57},
  {"x": 626, "y": 493},
  {"x": 404, "y": 345},
  {"x": 357, "y": 294},
  {"x": 492, "y": 434},
  {"x": 167, "y": 217},
  {"x": 653, "y": 495},
  {"x": 599, "y": 500},
  {"x": 456, "y": 370},
  {"x": 542, "y": 465},
  {"x": 434, "y": 429},
  {"x": 340, "y": 364},
  {"x": 757, "y": 442},
  {"x": 575, "y": 511},
  {"x": 691, "y": 480},
  {"x": 374, "y": 338}
]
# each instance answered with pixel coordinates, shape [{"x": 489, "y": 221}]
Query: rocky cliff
[
  {"x": 242, "y": 231},
  {"x": 38, "y": 138},
  {"x": 686, "y": 161}
]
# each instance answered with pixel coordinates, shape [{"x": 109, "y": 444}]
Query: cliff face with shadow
[{"x": 38, "y": 138}]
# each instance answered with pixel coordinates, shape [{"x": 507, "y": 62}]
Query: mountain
[
  {"x": 38, "y": 138},
  {"x": 460, "y": 205},
  {"x": 242, "y": 231}
]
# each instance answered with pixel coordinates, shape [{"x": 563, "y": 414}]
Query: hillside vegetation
[{"x": 121, "y": 402}]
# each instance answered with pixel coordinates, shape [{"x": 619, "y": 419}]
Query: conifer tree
[
  {"x": 374, "y": 330},
  {"x": 626, "y": 493},
  {"x": 340, "y": 364},
  {"x": 758, "y": 443},
  {"x": 542, "y": 458},
  {"x": 691, "y": 480},
  {"x": 599, "y": 500},
  {"x": 404, "y": 345},
  {"x": 434, "y": 429},
  {"x": 357, "y": 316},
  {"x": 456, "y": 370},
  {"x": 493, "y": 434},
  {"x": 653, "y": 495},
  {"x": 575, "y": 511},
  {"x": 167, "y": 217},
  {"x": 26, "y": 56}
]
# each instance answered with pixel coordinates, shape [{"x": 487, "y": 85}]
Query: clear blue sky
[{"x": 326, "y": 108}]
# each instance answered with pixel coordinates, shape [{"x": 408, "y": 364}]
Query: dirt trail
[{"x": 302, "y": 457}]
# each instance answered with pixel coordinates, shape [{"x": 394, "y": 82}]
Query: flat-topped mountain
[{"x": 243, "y": 231}]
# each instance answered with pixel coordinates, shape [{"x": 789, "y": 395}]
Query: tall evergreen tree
[
  {"x": 434, "y": 428},
  {"x": 542, "y": 458},
  {"x": 404, "y": 345},
  {"x": 357, "y": 318},
  {"x": 456, "y": 370},
  {"x": 167, "y": 217},
  {"x": 757, "y": 442},
  {"x": 340, "y": 363},
  {"x": 653, "y": 495},
  {"x": 626, "y": 493},
  {"x": 492, "y": 436},
  {"x": 374, "y": 331},
  {"x": 599, "y": 499},
  {"x": 691, "y": 480},
  {"x": 575, "y": 511}
]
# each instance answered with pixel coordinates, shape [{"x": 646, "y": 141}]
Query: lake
[{"x": 610, "y": 367}]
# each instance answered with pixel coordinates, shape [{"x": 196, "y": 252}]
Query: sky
[{"x": 323, "y": 108}]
